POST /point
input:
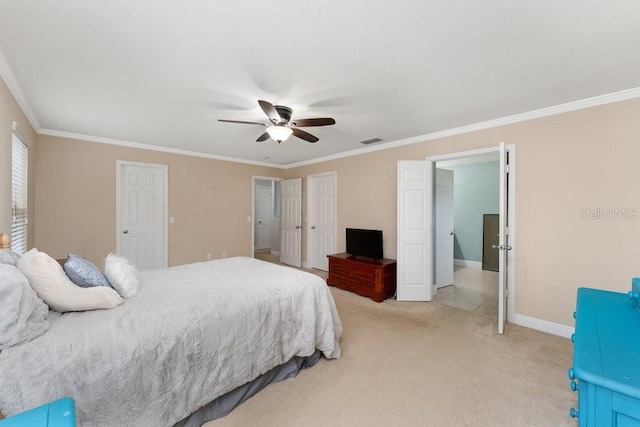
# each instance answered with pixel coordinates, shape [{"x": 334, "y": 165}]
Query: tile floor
[{"x": 473, "y": 289}]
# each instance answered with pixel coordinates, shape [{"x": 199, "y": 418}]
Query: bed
[{"x": 193, "y": 335}]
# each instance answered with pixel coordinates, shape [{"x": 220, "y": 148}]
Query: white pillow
[
  {"x": 122, "y": 275},
  {"x": 50, "y": 282}
]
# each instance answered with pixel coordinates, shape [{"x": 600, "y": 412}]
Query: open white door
[
  {"x": 444, "y": 227},
  {"x": 415, "y": 246},
  {"x": 503, "y": 241},
  {"x": 291, "y": 222}
]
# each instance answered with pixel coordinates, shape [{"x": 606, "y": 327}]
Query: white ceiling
[{"x": 162, "y": 72}]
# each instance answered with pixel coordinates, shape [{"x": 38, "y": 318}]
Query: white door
[
  {"x": 444, "y": 227},
  {"x": 291, "y": 221},
  {"x": 142, "y": 214},
  {"x": 503, "y": 241},
  {"x": 415, "y": 247},
  {"x": 263, "y": 214},
  {"x": 322, "y": 215}
]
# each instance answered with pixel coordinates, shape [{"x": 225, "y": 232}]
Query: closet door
[{"x": 142, "y": 214}]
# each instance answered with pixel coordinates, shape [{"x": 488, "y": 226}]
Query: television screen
[{"x": 365, "y": 243}]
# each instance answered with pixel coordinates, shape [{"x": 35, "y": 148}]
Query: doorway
[
  {"x": 415, "y": 253},
  {"x": 476, "y": 198},
  {"x": 265, "y": 241}
]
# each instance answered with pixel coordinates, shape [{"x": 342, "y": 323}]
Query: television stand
[{"x": 374, "y": 278}]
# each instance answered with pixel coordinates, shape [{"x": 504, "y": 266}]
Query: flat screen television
[{"x": 364, "y": 243}]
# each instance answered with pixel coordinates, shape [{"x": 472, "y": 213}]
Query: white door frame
[
  {"x": 165, "y": 171},
  {"x": 511, "y": 212},
  {"x": 255, "y": 178},
  {"x": 311, "y": 210}
]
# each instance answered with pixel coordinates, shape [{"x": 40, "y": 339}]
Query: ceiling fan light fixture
[
  {"x": 279, "y": 133},
  {"x": 281, "y": 126}
]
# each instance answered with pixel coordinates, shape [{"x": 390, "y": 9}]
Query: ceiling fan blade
[
  {"x": 324, "y": 121},
  {"x": 240, "y": 121},
  {"x": 263, "y": 137},
  {"x": 270, "y": 111},
  {"x": 304, "y": 135}
]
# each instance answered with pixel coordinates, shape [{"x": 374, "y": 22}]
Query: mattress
[{"x": 192, "y": 334}]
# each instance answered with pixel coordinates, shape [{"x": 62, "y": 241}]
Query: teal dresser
[
  {"x": 59, "y": 413},
  {"x": 606, "y": 359}
]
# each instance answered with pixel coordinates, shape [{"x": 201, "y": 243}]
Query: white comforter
[{"x": 193, "y": 333}]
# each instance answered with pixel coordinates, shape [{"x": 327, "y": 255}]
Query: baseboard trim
[
  {"x": 467, "y": 263},
  {"x": 276, "y": 253},
  {"x": 542, "y": 325}
]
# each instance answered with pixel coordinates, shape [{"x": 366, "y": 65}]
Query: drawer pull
[
  {"x": 574, "y": 413},
  {"x": 633, "y": 295},
  {"x": 574, "y": 386},
  {"x": 571, "y": 375},
  {"x": 574, "y": 314},
  {"x": 573, "y": 337}
]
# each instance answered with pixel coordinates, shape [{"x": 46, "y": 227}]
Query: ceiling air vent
[{"x": 370, "y": 141}]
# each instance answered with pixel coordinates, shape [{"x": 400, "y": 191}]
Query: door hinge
[
  {"x": 507, "y": 168},
  {"x": 506, "y": 231},
  {"x": 506, "y": 292}
]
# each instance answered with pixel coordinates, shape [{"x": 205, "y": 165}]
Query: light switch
[
  {"x": 171, "y": 220},
  {"x": 248, "y": 218}
]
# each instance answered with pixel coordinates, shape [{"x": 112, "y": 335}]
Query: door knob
[
  {"x": 313, "y": 227},
  {"x": 297, "y": 227},
  {"x": 125, "y": 231},
  {"x": 501, "y": 247}
]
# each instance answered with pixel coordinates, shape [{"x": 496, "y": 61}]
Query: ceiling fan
[{"x": 282, "y": 127}]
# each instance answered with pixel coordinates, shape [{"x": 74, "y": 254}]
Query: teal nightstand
[{"x": 59, "y": 413}]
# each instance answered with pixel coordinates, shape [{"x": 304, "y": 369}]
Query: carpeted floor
[{"x": 422, "y": 364}]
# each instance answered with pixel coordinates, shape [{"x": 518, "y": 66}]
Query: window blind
[{"x": 19, "y": 191}]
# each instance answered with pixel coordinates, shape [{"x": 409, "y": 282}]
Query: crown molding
[
  {"x": 6, "y": 73},
  {"x": 150, "y": 147}
]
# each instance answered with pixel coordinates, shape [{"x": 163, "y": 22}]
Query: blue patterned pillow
[{"x": 84, "y": 273}]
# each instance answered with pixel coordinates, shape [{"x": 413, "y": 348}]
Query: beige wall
[
  {"x": 564, "y": 163},
  {"x": 10, "y": 111},
  {"x": 76, "y": 200}
]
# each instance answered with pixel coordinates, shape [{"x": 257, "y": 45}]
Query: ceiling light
[{"x": 279, "y": 133}]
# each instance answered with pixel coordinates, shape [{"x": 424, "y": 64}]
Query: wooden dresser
[
  {"x": 367, "y": 277},
  {"x": 605, "y": 371}
]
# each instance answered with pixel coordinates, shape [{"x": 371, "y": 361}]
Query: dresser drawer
[{"x": 353, "y": 270}]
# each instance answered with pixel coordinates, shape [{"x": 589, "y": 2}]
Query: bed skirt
[{"x": 227, "y": 402}]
